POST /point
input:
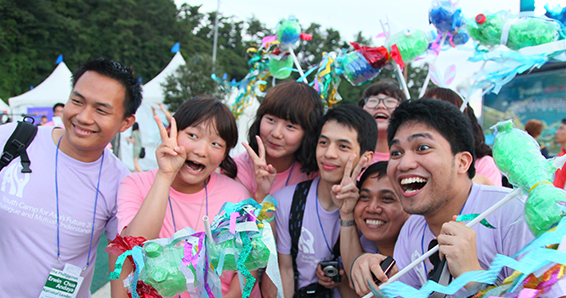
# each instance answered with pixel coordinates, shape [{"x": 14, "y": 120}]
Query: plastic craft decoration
[
  {"x": 411, "y": 43},
  {"x": 515, "y": 33},
  {"x": 518, "y": 157},
  {"x": 448, "y": 20},
  {"x": 188, "y": 261}
]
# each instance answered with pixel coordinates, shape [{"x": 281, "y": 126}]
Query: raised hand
[
  {"x": 346, "y": 193},
  {"x": 458, "y": 245},
  {"x": 170, "y": 157},
  {"x": 264, "y": 174}
]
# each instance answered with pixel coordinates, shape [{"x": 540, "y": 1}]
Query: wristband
[
  {"x": 352, "y": 266},
  {"x": 347, "y": 223}
]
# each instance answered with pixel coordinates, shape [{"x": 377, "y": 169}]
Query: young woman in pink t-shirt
[
  {"x": 185, "y": 187},
  {"x": 281, "y": 148}
]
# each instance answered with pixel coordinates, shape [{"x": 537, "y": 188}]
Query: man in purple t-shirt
[
  {"x": 51, "y": 219},
  {"x": 430, "y": 168},
  {"x": 348, "y": 134}
]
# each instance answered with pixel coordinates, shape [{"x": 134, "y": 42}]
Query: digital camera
[{"x": 331, "y": 269}]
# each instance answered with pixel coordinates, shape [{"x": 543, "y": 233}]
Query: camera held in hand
[{"x": 331, "y": 269}]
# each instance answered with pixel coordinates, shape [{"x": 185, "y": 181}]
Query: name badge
[{"x": 64, "y": 283}]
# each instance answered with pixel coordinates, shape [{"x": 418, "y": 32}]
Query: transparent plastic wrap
[
  {"x": 357, "y": 69},
  {"x": 161, "y": 269},
  {"x": 411, "y": 43},
  {"x": 518, "y": 156}
]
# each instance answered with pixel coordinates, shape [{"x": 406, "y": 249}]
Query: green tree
[{"x": 191, "y": 80}]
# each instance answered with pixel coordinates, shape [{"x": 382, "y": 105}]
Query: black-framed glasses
[{"x": 388, "y": 102}]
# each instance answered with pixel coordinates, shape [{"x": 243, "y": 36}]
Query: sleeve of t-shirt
[
  {"x": 487, "y": 167},
  {"x": 130, "y": 199},
  {"x": 111, "y": 228},
  {"x": 245, "y": 172},
  {"x": 284, "y": 199},
  {"x": 514, "y": 229}
]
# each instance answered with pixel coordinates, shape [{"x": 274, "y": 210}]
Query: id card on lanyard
[{"x": 62, "y": 284}]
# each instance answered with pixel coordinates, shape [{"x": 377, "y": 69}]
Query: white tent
[
  {"x": 152, "y": 94},
  {"x": 56, "y": 88}
]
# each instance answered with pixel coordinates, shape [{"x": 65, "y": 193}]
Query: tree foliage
[{"x": 138, "y": 33}]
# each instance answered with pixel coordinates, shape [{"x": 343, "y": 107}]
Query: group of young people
[{"x": 354, "y": 185}]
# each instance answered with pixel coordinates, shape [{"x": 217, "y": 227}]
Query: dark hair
[
  {"x": 533, "y": 128},
  {"x": 299, "y": 103},
  {"x": 482, "y": 149},
  {"x": 59, "y": 104},
  {"x": 357, "y": 119},
  {"x": 136, "y": 126},
  {"x": 441, "y": 116},
  {"x": 563, "y": 121},
  {"x": 209, "y": 110},
  {"x": 388, "y": 87},
  {"x": 118, "y": 72},
  {"x": 379, "y": 167}
]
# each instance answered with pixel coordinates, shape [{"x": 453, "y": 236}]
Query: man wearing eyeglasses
[{"x": 431, "y": 166}]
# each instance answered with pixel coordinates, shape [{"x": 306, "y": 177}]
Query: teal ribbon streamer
[
  {"x": 250, "y": 280},
  {"x": 119, "y": 265},
  {"x": 536, "y": 256},
  {"x": 138, "y": 260},
  {"x": 470, "y": 217}
]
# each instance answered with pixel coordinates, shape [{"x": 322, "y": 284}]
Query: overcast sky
[{"x": 348, "y": 17}]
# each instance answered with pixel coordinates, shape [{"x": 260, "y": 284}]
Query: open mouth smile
[
  {"x": 412, "y": 184},
  {"x": 374, "y": 222},
  {"x": 197, "y": 167}
]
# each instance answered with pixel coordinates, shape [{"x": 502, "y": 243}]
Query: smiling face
[
  {"x": 336, "y": 144},
  {"x": 93, "y": 115},
  {"x": 422, "y": 168},
  {"x": 377, "y": 107},
  {"x": 205, "y": 151},
  {"x": 281, "y": 137},
  {"x": 379, "y": 214}
]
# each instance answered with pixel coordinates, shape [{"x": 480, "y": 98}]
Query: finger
[
  {"x": 168, "y": 151},
  {"x": 336, "y": 188},
  {"x": 348, "y": 169},
  {"x": 361, "y": 164},
  {"x": 251, "y": 152},
  {"x": 271, "y": 169},
  {"x": 162, "y": 130},
  {"x": 260, "y": 148},
  {"x": 173, "y": 129},
  {"x": 153, "y": 110}
]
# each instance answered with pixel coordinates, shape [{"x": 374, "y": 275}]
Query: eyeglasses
[{"x": 388, "y": 102}]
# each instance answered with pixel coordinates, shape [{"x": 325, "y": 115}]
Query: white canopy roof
[
  {"x": 56, "y": 88},
  {"x": 152, "y": 91}
]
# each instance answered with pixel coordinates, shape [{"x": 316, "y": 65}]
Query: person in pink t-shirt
[
  {"x": 487, "y": 172},
  {"x": 281, "y": 144},
  {"x": 380, "y": 100},
  {"x": 185, "y": 187}
]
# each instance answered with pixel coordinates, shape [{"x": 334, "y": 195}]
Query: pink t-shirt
[
  {"x": 291, "y": 176},
  {"x": 487, "y": 167},
  {"x": 188, "y": 209}
]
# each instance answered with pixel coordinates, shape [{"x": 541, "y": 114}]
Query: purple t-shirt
[
  {"x": 28, "y": 214},
  {"x": 313, "y": 248},
  {"x": 509, "y": 236}
]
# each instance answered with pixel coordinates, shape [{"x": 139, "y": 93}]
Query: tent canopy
[
  {"x": 152, "y": 91},
  {"x": 56, "y": 88}
]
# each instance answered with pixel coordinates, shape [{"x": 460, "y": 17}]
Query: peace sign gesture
[
  {"x": 264, "y": 174},
  {"x": 170, "y": 157},
  {"x": 346, "y": 193}
]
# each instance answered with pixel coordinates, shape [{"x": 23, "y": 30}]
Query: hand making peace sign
[
  {"x": 264, "y": 174},
  {"x": 170, "y": 157},
  {"x": 346, "y": 193}
]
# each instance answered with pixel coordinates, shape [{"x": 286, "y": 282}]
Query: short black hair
[
  {"x": 379, "y": 168},
  {"x": 118, "y": 72},
  {"x": 357, "y": 119},
  {"x": 564, "y": 121},
  {"x": 59, "y": 104},
  {"x": 387, "y": 87},
  {"x": 441, "y": 116}
]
